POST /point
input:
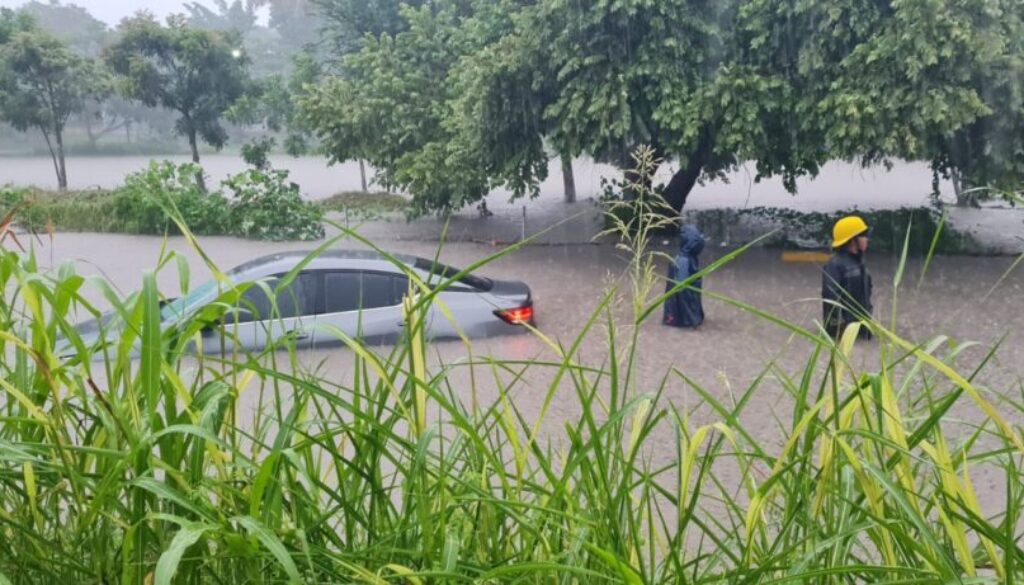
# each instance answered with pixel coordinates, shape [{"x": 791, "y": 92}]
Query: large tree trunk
[
  {"x": 679, "y": 187},
  {"x": 568, "y": 179},
  {"x": 362, "y": 175},
  {"x": 194, "y": 145}
]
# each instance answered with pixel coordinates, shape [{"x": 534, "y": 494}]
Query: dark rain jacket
[
  {"x": 845, "y": 282},
  {"x": 684, "y": 308}
]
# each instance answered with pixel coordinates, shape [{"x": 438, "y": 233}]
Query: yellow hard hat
[{"x": 846, "y": 229}]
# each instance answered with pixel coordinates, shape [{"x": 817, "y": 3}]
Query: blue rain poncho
[{"x": 684, "y": 308}]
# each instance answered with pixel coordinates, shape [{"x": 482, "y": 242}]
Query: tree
[
  {"x": 606, "y": 78},
  {"x": 12, "y": 22},
  {"x": 44, "y": 83},
  {"x": 83, "y": 33},
  {"x": 296, "y": 21},
  {"x": 789, "y": 85},
  {"x": 238, "y": 17},
  {"x": 916, "y": 79},
  {"x": 346, "y": 23},
  {"x": 468, "y": 90},
  {"x": 197, "y": 73},
  {"x": 393, "y": 107},
  {"x": 988, "y": 151},
  {"x": 272, "y": 105}
]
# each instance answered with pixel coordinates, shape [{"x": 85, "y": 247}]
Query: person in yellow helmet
[{"x": 845, "y": 281}]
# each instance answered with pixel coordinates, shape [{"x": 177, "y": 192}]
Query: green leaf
[
  {"x": 270, "y": 541},
  {"x": 167, "y": 565}
]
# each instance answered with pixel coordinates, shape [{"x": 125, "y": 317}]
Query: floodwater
[
  {"x": 724, "y": 356},
  {"x": 839, "y": 186}
]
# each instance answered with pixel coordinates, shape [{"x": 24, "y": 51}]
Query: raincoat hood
[{"x": 691, "y": 241}]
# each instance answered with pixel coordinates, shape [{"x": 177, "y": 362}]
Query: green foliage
[
  {"x": 348, "y": 23},
  {"x": 197, "y": 73},
  {"x": 260, "y": 205},
  {"x": 297, "y": 23},
  {"x": 124, "y": 466},
  {"x": 11, "y": 196},
  {"x": 43, "y": 83},
  {"x": 256, "y": 153},
  {"x": 922, "y": 80},
  {"x": 482, "y": 90},
  {"x": 237, "y": 17},
  {"x": 141, "y": 205},
  {"x": 266, "y": 206},
  {"x": 394, "y": 106},
  {"x": 12, "y": 22},
  {"x": 271, "y": 103},
  {"x": 70, "y": 23},
  {"x": 891, "y": 229}
]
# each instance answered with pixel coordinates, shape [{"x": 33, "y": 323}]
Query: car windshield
[
  {"x": 180, "y": 307},
  {"x": 447, "y": 272}
]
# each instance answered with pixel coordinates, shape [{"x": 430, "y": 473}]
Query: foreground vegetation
[{"x": 148, "y": 469}]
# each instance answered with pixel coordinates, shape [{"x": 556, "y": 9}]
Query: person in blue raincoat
[{"x": 684, "y": 308}]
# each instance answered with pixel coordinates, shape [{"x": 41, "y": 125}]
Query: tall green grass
[{"x": 141, "y": 466}]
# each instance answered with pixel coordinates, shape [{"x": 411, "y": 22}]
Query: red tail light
[{"x": 516, "y": 316}]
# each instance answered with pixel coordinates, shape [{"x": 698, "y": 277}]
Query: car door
[
  {"x": 269, "y": 311},
  {"x": 362, "y": 304}
]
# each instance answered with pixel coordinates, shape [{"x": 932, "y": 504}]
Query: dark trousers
[{"x": 835, "y": 331}]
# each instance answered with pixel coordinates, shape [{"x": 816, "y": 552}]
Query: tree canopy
[
  {"x": 71, "y": 23},
  {"x": 456, "y": 98},
  {"x": 197, "y": 73},
  {"x": 393, "y": 106}
]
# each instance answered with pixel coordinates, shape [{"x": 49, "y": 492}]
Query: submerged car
[{"x": 358, "y": 294}]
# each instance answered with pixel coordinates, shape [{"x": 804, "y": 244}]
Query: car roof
[{"x": 329, "y": 259}]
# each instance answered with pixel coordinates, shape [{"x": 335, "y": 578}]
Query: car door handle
[{"x": 299, "y": 334}]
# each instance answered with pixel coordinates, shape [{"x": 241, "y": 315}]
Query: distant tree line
[
  {"x": 450, "y": 99},
  {"x": 190, "y": 74}
]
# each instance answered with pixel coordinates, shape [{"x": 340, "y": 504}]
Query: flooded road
[{"x": 724, "y": 357}]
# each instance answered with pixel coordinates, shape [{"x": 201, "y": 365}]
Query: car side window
[
  {"x": 354, "y": 290},
  {"x": 341, "y": 291},
  {"x": 296, "y": 300}
]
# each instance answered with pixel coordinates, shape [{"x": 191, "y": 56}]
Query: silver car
[{"x": 357, "y": 293}]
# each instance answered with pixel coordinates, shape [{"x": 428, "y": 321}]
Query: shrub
[
  {"x": 11, "y": 196},
  {"x": 362, "y": 205},
  {"x": 141, "y": 205},
  {"x": 266, "y": 206},
  {"x": 808, "y": 229}
]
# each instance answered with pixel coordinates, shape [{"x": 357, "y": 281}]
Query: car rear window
[{"x": 447, "y": 272}]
